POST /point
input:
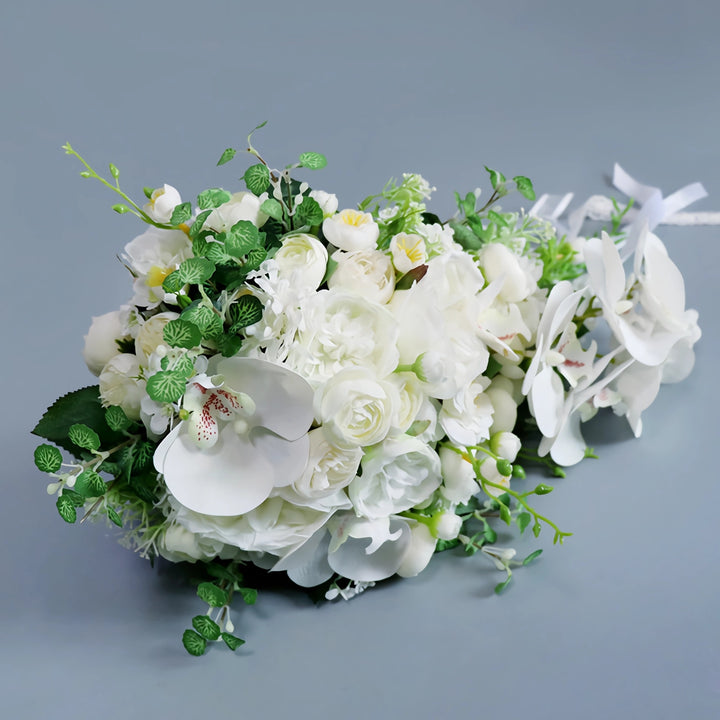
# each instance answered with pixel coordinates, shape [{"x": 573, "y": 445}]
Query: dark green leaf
[
  {"x": 166, "y": 386},
  {"x": 143, "y": 454},
  {"x": 205, "y": 318},
  {"x": 249, "y": 595},
  {"x": 227, "y": 156},
  {"x": 182, "y": 333},
  {"x": 308, "y": 212},
  {"x": 231, "y": 641},
  {"x": 181, "y": 214},
  {"x": 523, "y": 520},
  {"x": 496, "y": 178},
  {"x": 505, "y": 515},
  {"x": 83, "y": 436},
  {"x": 498, "y": 219},
  {"x": 75, "y": 498},
  {"x": 313, "y": 161},
  {"x": 255, "y": 258},
  {"x": 464, "y": 236},
  {"x": 246, "y": 311},
  {"x": 194, "y": 643},
  {"x": 116, "y": 418},
  {"x": 66, "y": 508},
  {"x": 229, "y": 345},
  {"x": 443, "y": 545},
  {"x": 114, "y": 517},
  {"x": 208, "y": 628},
  {"x": 173, "y": 283},
  {"x": 242, "y": 238},
  {"x": 48, "y": 458},
  {"x": 212, "y": 198},
  {"x": 89, "y": 484},
  {"x": 197, "y": 227},
  {"x": 212, "y": 594},
  {"x": 257, "y": 178},
  {"x": 196, "y": 270},
  {"x": 489, "y": 534},
  {"x": 524, "y": 186},
  {"x": 531, "y": 557}
]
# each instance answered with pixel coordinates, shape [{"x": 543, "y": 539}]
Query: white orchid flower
[{"x": 235, "y": 447}]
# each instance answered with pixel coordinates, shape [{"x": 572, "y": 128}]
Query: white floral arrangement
[{"x": 339, "y": 394}]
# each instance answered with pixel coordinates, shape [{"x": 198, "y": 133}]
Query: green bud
[
  {"x": 518, "y": 472},
  {"x": 504, "y": 467},
  {"x": 542, "y": 489},
  {"x": 121, "y": 209},
  {"x": 114, "y": 171},
  {"x": 86, "y": 174},
  {"x": 148, "y": 192}
]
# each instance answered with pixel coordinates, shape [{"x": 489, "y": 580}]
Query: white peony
[
  {"x": 396, "y": 475},
  {"x": 499, "y": 262},
  {"x": 366, "y": 272},
  {"x": 101, "y": 340},
  {"x": 467, "y": 416},
  {"x": 120, "y": 384},
  {"x": 351, "y": 230},
  {"x": 303, "y": 260}
]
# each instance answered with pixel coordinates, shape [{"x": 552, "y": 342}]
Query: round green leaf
[
  {"x": 181, "y": 333},
  {"x": 308, "y": 212},
  {"x": 116, "y": 418},
  {"x": 525, "y": 187},
  {"x": 212, "y": 198},
  {"x": 89, "y": 484},
  {"x": 205, "y": 318},
  {"x": 181, "y": 214},
  {"x": 166, "y": 386},
  {"x": 194, "y": 643},
  {"x": 231, "y": 641},
  {"x": 257, "y": 178},
  {"x": 83, "y": 436},
  {"x": 208, "y": 628},
  {"x": 246, "y": 311},
  {"x": 66, "y": 508},
  {"x": 242, "y": 238},
  {"x": 196, "y": 270},
  {"x": 173, "y": 283},
  {"x": 48, "y": 458},
  {"x": 313, "y": 161},
  {"x": 272, "y": 208},
  {"x": 212, "y": 594}
]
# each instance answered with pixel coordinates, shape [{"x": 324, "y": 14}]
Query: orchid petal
[
  {"x": 307, "y": 565},
  {"x": 288, "y": 458},
  {"x": 569, "y": 445},
  {"x": 547, "y": 397}
]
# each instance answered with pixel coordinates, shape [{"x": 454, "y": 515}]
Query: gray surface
[{"x": 620, "y": 622}]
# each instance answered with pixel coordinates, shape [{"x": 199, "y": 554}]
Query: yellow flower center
[
  {"x": 414, "y": 252},
  {"x": 156, "y": 275},
  {"x": 354, "y": 218}
]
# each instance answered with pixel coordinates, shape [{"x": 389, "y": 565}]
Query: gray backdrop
[{"x": 620, "y": 622}]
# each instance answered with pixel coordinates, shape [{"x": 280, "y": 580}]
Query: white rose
[
  {"x": 411, "y": 399},
  {"x": 100, "y": 342},
  {"x": 396, "y": 475},
  {"x": 366, "y": 272},
  {"x": 351, "y": 230},
  {"x": 120, "y": 384},
  {"x": 162, "y": 203},
  {"x": 241, "y": 206},
  {"x": 150, "y": 335},
  {"x": 343, "y": 330},
  {"x": 152, "y": 256},
  {"x": 467, "y": 417},
  {"x": 178, "y": 544},
  {"x": 356, "y": 408},
  {"x": 458, "y": 474},
  {"x": 408, "y": 252},
  {"x": 329, "y": 467},
  {"x": 328, "y": 202},
  {"x": 303, "y": 259}
]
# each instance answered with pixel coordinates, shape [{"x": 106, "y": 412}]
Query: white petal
[
  {"x": 284, "y": 400},
  {"x": 547, "y": 397},
  {"x": 569, "y": 446},
  {"x": 231, "y": 478},
  {"x": 288, "y": 458},
  {"x": 308, "y": 566}
]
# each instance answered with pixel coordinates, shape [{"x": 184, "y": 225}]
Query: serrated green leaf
[
  {"x": 496, "y": 178},
  {"x": 48, "y": 458},
  {"x": 227, "y": 156},
  {"x": 532, "y": 556},
  {"x": 194, "y": 643},
  {"x": 89, "y": 484},
  {"x": 66, "y": 508},
  {"x": 272, "y": 208},
  {"x": 242, "y": 238},
  {"x": 173, "y": 283},
  {"x": 523, "y": 520},
  {"x": 231, "y": 641},
  {"x": 166, "y": 386},
  {"x": 206, "y": 627},
  {"x": 524, "y": 186},
  {"x": 313, "y": 161},
  {"x": 212, "y": 594},
  {"x": 247, "y": 310},
  {"x": 114, "y": 517},
  {"x": 195, "y": 271},
  {"x": 116, "y": 418},
  {"x": 181, "y": 213},
  {"x": 83, "y": 436},
  {"x": 205, "y": 318},
  {"x": 197, "y": 227},
  {"x": 257, "y": 178},
  {"x": 212, "y": 198},
  {"x": 308, "y": 212},
  {"x": 182, "y": 333},
  {"x": 249, "y": 595}
]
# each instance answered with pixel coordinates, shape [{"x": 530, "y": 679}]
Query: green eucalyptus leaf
[
  {"x": 242, "y": 238},
  {"x": 195, "y": 644},
  {"x": 83, "y": 436},
  {"x": 166, "y": 386},
  {"x": 257, "y": 178},
  {"x": 212, "y": 594},
  {"x": 272, "y": 208},
  {"x": 116, "y": 418},
  {"x": 231, "y": 641},
  {"x": 182, "y": 333},
  {"x": 212, "y": 198},
  {"x": 312, "y": 160},
  {"x": 206, "y": 627},
  {"x": 48, "y": 458},
  {"x": 66, "y": 508},
  {"x": 196, "y": 270},
  {"x": 247, "y": 310}
]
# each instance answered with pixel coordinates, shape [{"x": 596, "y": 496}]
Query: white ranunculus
[
  {"x": 459, "y": 482},
  {"x": 162, "y": 203},
  {"x": 150, "y": 335},
  {"x": 356, "y": 408},
  {"x": 408, "y": 252},
  {"x": 467, "y": 416},
  {"x": 100, "y": 342},
  {"x": 498, "y": 261},
  {"x": 366, "y": 272},
  {"x": 329, "y": 469},
  {"x": 152, "y": 256},
  {"x": 411, "y": 399},
  {"x": 341, "y": 330},
  {"x": 120, "y": 384},
  {"x": 303, "y": 260},
  {"x": 396, "y": 475},
  {"x": 328, "y": 202},
  {"x": 178, "y": 544},
  {"x": 241, "y": 206},
  {"x": 351, "y": 230}
]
